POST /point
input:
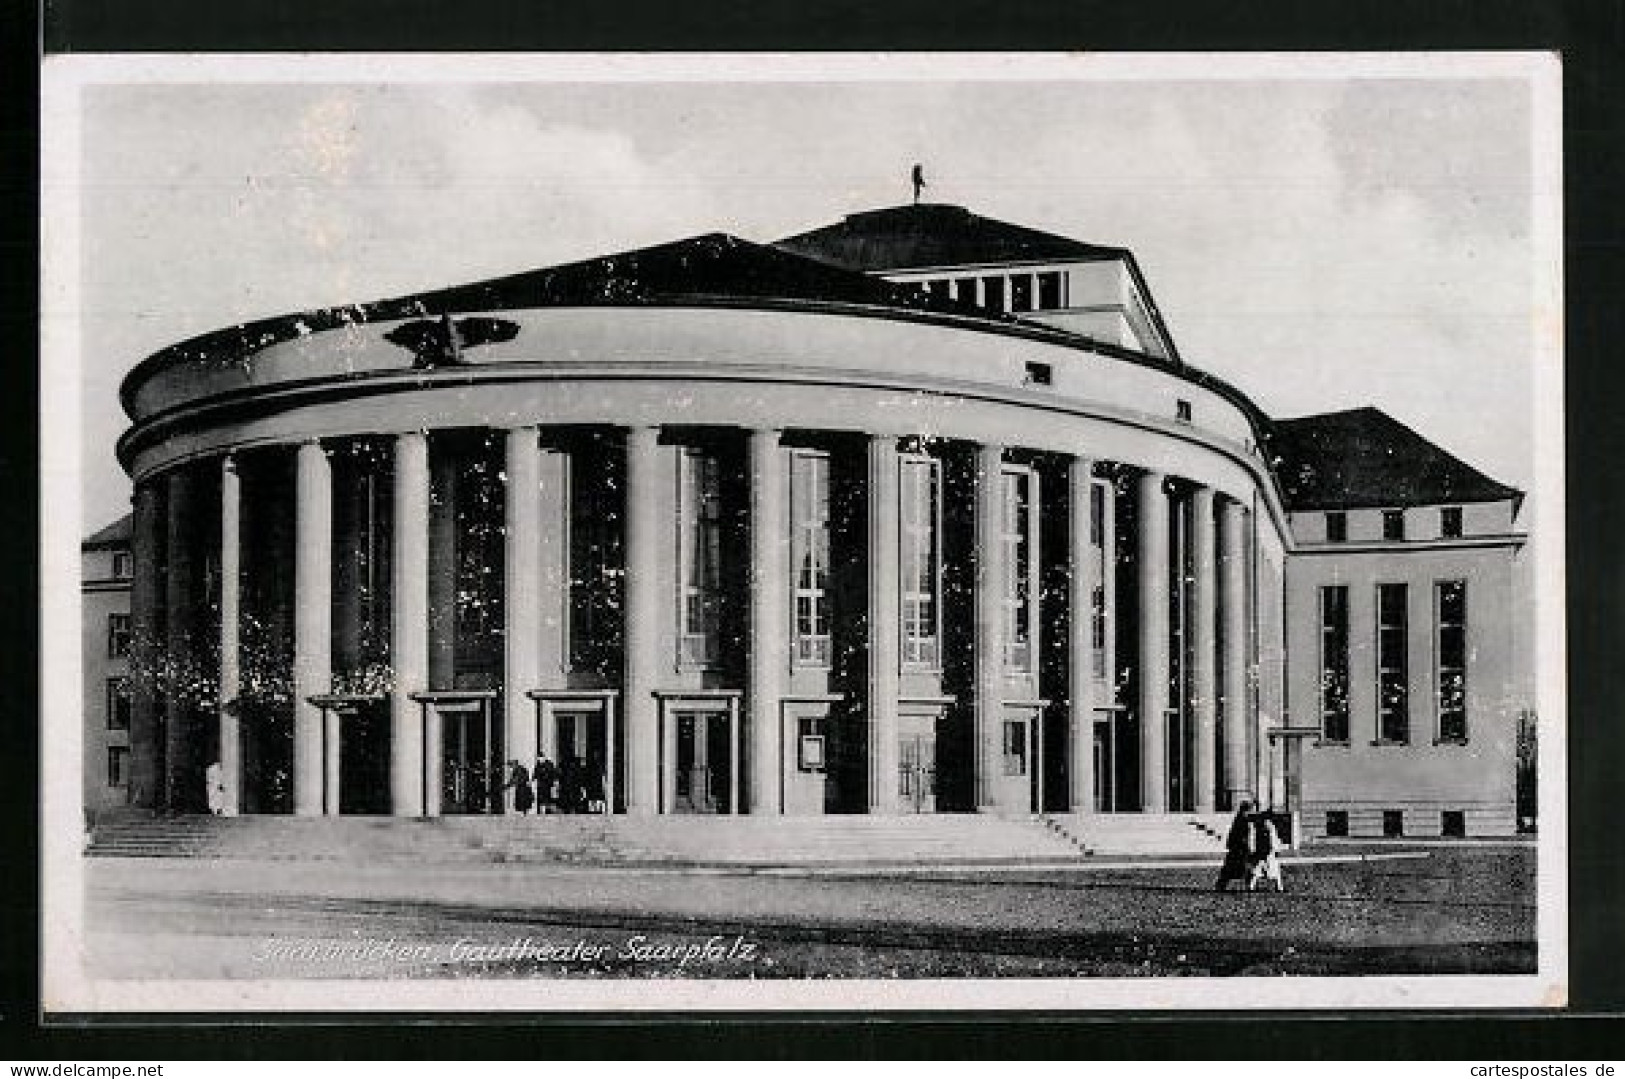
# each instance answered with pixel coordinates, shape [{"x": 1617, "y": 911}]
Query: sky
[{"x": 1320, "y": 243}]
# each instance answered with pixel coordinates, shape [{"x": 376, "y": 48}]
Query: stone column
[
  {"x": 1153, "y": 572},
  {"x": 987, "y": 713},
  {"x": 884, "y": 616},
  {"x": 313, "y": 622},
  {"x": 522, "y": 605},
  {"x": 183, "y": 768},
  {"x": 1080, "y": 664},
  {"x": 409, "y": 629},
  {"x": 231, "y": 606},
  {"x": 1204, "y": 629},
  {"x": 147, "y": 647},
  {"x": 1233, "y": 611},
  {"x": 769, "y": 632},
  {"x": 641, "y": 631}
]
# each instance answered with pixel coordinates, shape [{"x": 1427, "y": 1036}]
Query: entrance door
[
  {"x": 1105, "y": 785},
  {"x": 703, "y": 783},
  {"x": 467, "y": 785},
  {"x": 364, "y": 759},
  {"x": 581, "y": 747},
  {"x": 917, "y": 773},
  {"x": 1013, "y": 772}
]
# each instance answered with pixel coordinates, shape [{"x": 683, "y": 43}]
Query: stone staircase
[
  {"x": 1140, "y": 835},
  {"x": 944, "y": 840}
]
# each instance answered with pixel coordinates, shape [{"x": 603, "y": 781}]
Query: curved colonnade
[{"x": 731, "y": 559}]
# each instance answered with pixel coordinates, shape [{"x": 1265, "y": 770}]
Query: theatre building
[{"x": 917, "y": 513}]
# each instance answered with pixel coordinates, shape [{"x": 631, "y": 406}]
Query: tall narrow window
[
  {"x": 809, "y": 496},
  {"x": 1049, "y": 291},
  {"x": 993, "y": 293},
  {"x": 1020, "y": 569},
  {"x": 1097, "y": 551},
  {"x": 1334, "y": 663},
  {"x": 1337, "y": 526},
  {"x": 1450, "y": 522},
  {"x": 1021, "y": 292},
  {"x": 123, "y": 562},
  {"x": 118, "y": 636},
  {"x": 920, "y": 492},
  {"x": 699, "y": 516},
  {"x": 1393, "y": 524},
  {"x": 595, "y": 529},
  {"x": 1450, "y": 616},
  {"x": 1393, "y": 697},
  {"x": 118, "y": 765},
  {"x": 118, "y": 704}
]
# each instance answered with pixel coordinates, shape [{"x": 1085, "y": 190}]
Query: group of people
[
  {"x": 1251, "y": 851},
  {"x": 570, "y": 787}
]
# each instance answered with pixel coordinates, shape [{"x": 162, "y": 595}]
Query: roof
[
  {"x": 116, "y": 534},
  {"x": 1364, "y": 458},
  {"x": 935, "y": 234},
  {"x": 715, "y": 265}
]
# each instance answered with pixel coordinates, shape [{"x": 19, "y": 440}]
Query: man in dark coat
[
  {"x": 546, "y": 778},
  {"x": 1237, "y": 848},
  {"x": 519, "y": 779}
]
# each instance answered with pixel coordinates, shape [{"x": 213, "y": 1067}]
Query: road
[{"x": 1466, "y": 909}]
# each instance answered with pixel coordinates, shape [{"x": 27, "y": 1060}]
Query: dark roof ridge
[{"x": 1363, "y": 458}]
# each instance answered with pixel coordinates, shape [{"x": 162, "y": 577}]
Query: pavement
[{"x": 1444, "y": 909}]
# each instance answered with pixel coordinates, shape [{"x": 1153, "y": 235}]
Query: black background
[{"x": 1591, "y": 37}]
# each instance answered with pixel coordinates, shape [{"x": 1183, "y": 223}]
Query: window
[
  {"x": 939, "y": 289},
  {"x": 921, "y": 503},
  {"x": 965, "y": 290},
  {"x": 1334, "y": 663},
  {"x": 699, "y": 517},
  {"x": 1393, "y": 524},
  {"x": 596, "y": 573},
  {"x": 809, "y": 520},
  {"x": 1393, "y": 704},
  {"x": 123, "y": 563},
  {"x": 118, "y": 765},
  {"x": 1021, "y": 292},
  {"x": 118, "y": 704},
  {"x": 1039, "y": 374},
  {"x": 1337, "y": 527},
  {"x": 993, "y": 293},
  {"x": 1097, "y": 545},
  {"x": 809, "y": 744},
  {"x": 1019, "y": 535},
  {"x": 1450, "y": 647},
  {"x": 1337, "y": 823},
  {"x": 118, "y": 636},
  {"x": 1182, "y": 410},
  {"x": 1453, "y": 824},
  {"x": 1450, "y": 522},
  {"x": 1049, "y": 291},
  {"x": 1393, "y": 823},
  {"x": 1015, "y": 747}
]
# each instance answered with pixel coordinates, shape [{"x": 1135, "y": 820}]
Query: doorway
[
  {"x": 468, "y": 765},
  {"x": 364, "y": 759},
  {"x": 917, "y": 773},
  {"x": 703, "y": 763}
]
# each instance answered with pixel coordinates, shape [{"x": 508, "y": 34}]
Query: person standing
[
  {"x": 523, "y": 795},
  {"x": 546, "y": 778},
  {"x": 1237, "y": 848}
]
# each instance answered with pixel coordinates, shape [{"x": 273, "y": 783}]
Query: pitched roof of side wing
[{"x": 1364, "y": 458}]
